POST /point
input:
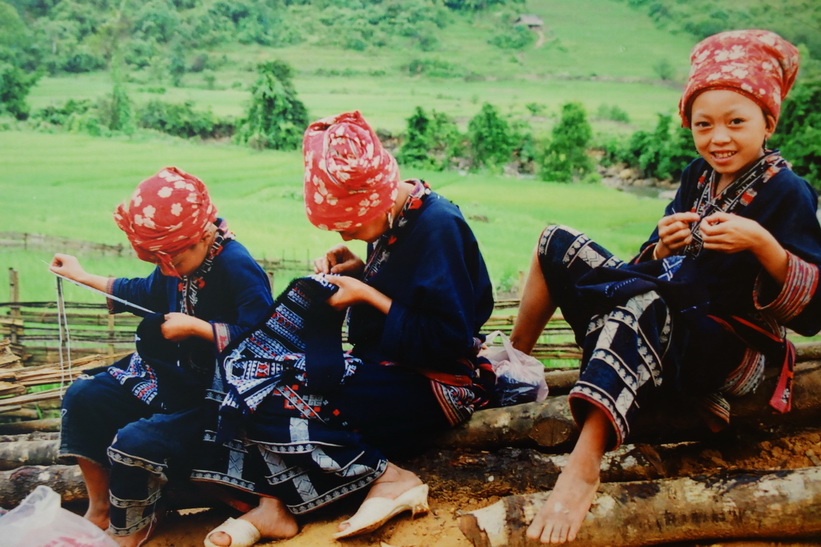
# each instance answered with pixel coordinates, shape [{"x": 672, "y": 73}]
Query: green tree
[
  {"x": 14, "y": 35},
  {"x": 662, "y": 153},
  {"x": 115, "y": 110},
  {"x": 415, "y": 149},
  {"x": 490, "y": 137},
  {"x": 799, "y": 131},
  {"x": 276, "y": 118},
  {"x": 566, "y": 155},
  {"x": 15, "y": 85}
]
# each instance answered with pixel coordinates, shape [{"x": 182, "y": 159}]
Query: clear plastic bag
[
  {"x": 519, "y": 376},
  {"x": 39, "y": 521}
]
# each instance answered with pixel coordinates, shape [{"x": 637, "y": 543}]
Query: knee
[
  {"x": 131, "y": 448},
  {"x": 560, "y": 232},
  {"x": 82, "y": 393}
]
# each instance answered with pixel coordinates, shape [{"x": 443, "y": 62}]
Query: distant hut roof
[{"x": 529, "y": 20}]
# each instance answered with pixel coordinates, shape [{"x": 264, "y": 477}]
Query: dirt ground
[{"x": 466, "y": 480}]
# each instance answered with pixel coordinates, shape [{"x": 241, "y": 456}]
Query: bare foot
[
  {"x": 270, "y": 517},
  {"x": 136, "y": 539},
  {"x": 561, "y": 516},
  {"x": 394, "y": 482}
]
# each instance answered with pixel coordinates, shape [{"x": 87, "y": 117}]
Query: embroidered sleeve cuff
[
  {"x": 109, "y": 288},
  {"x": 798, "y": 290},
  {"x": 222, "y": 336}
]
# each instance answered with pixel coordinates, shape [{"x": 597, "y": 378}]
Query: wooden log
[
  {"x": 22, "y": 453},
  {"x": 774, "y": 504},
  {"x": 7, "y": 412},
  {"x": 549, "y": 424},
  {"x": 28, "y": 426},
  {"x": 35, "y": 436},
  {"x": 64, "y": 479},
  {"x": 67, "y": 480}
]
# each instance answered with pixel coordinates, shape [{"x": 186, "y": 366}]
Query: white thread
[{"x": 62, "y": 325}]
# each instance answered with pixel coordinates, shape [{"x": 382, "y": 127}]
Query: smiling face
[{"x": 729, "y": 130}]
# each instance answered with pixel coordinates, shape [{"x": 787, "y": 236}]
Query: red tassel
[{"x": 782, "y": 397}]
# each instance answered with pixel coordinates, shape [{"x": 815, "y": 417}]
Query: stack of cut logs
[{"x": 644, "y": 498}]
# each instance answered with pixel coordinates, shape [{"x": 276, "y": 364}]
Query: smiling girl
[{"x": 702, "y": 308}]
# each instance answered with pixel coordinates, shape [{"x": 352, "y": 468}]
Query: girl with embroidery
[
  {"x": 135, "y": 425},
  {"x": 704, "y": 305},
  {"x": 320, "y": 424}
]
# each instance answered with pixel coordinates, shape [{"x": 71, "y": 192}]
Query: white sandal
[
  {"x": 375, "y": 512},
  {"x": 242, "y": 532}
]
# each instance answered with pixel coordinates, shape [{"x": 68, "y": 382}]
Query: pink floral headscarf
[
  {"x": 167, "y": 213},
  {"x": 350, "y": 179},
  {"x": 756, "y": 63}
]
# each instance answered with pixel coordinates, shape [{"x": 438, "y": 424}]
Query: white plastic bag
[
  {"x": 39, "y": 521},
  {"x": 519, "y": 376}
]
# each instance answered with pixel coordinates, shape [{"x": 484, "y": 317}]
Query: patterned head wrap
[
  {"x": 349, "y": 178},
  {"x": 167, "y": 213},
  {"x": 756, "y": 63}
]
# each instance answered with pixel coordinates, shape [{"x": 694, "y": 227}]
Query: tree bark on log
[
  {"x": 29, "y": 426},
  {"x": 66, "y": 480},
  {"x": 750, "y": 505},
  {"x": 20, "y": 453},
  {"x": 549, "y": 424}
]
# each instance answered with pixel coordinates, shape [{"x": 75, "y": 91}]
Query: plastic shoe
[
  {"x": 375, "y": 512},
  {"x": 242, "y": 532}
]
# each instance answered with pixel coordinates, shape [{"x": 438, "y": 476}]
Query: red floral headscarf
[
  {"x": 167, "y": 213},
  {"x": 350, "y": 179},
  {"x": 756, "y": 63}
]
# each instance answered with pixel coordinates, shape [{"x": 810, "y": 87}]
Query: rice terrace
[{"x": 524, "y": 113}]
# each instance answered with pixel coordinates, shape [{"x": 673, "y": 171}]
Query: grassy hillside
[
  {"x": 598, "y": 52},
  {"x": 68, "y": 185},
  {"x": 593, "y": 51}
]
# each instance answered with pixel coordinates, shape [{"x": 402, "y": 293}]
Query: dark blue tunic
[{"x": 410, "y": 373}]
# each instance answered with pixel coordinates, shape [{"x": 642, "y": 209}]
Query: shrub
[
  {"x": 513, "y": 37},
  {"x": 662, "y": 153},
  {"x": 490, "y": 137},
  {"x": 276, "y": 118},
  {"x": 430, "y": 142},
  {"x": 60, "y": 115},
  {"x": 612, "y": 112},
  {"x": 566, "y": 156},
  {"x": 15, "y": 85},
  {"x": 799, "y": 131},
  {"x": 181, "y": 120},
  {"x": 435, "y": 67}
]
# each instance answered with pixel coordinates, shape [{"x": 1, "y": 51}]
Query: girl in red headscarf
[
  {"x": 135, "y": 425},
  {"x": 702, "y": 308},
  {"x": 320, "y": 424}
]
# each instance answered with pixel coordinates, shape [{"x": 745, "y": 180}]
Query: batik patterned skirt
[
  {"x": 309, "y": 444},
  {"x": 623, "y": 348},
  {"x": 633, "y": 345}
]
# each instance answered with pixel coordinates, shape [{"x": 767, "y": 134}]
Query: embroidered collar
[
  {"x": 734, "y": 197},
  {"x": 189, "y": 286},
  {"x": 410, "y": 210}
]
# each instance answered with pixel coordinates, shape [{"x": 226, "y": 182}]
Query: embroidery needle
[{"x": 98, "y": 291}]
